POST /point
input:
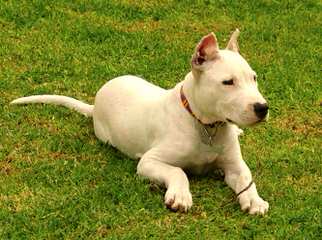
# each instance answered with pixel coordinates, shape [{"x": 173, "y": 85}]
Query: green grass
[{"x": 58, "y": 181}]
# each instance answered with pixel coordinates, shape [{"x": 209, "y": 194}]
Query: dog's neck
[{"x": 199, "y": 109}]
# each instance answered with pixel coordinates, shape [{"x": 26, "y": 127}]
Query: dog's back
[{"x": 124, "y": 107}]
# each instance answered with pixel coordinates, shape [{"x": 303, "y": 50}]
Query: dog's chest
[
  {"x": 203, "y": 159},
  {"x": 208, "y": 145},
  {"x": 205, "y": 151},
  {"x": 208, "y": 153}
]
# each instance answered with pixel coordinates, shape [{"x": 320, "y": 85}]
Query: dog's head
[{"x": 225, "y": 85}]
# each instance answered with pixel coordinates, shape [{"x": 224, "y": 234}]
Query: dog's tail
[{"x": 68, "y": 102}]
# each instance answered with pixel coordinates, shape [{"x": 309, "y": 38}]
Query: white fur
[
  {"x": 68, "y": 102},
  {"x": 147, "y": 122}
]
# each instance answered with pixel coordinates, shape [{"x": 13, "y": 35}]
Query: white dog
[{"x": 190, "y": 128}]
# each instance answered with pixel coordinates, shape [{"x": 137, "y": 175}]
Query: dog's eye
[
  {"x": 255, "y": 78},
  {"x": 228, "y": 82}
]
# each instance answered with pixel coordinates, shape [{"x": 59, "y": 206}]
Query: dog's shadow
[{"x": 209, "y": 185}]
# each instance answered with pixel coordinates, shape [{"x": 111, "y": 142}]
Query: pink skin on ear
[
  {"x": 207, "y": 49},
  {"x": 208, "y": 41}
]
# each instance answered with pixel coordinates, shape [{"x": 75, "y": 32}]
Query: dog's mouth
[
  {"x": 233, "y": 122},
  {"x": 264, "y": 119},
  {"x": 249, "y": 124},
  {"x": 230, "y": 121}
]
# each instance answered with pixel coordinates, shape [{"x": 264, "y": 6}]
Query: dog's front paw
[
  {"x": 254, "y": 204},
  {"x": 178, "y": 199}
]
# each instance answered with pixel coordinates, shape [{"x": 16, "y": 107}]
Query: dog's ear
[
  {"x": 206, "y": 50},
  {"x": 233, "y": 44}
]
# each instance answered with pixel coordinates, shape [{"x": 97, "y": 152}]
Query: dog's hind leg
[
  {"x": 178, "y": 196},
  {"x": 102, "y": 132}
]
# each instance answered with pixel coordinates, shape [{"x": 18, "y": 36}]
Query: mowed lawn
[{"x": 57, "y": 181}]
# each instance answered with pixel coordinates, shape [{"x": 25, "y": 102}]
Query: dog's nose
[{"x": 261, "y": 110}]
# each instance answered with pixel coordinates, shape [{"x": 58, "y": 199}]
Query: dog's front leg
[
  {"x": 239, "y": 178},
  {"x": 178, "y": 196}
]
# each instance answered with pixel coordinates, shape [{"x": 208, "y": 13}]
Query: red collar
[{"x": 186, "y": 105}]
